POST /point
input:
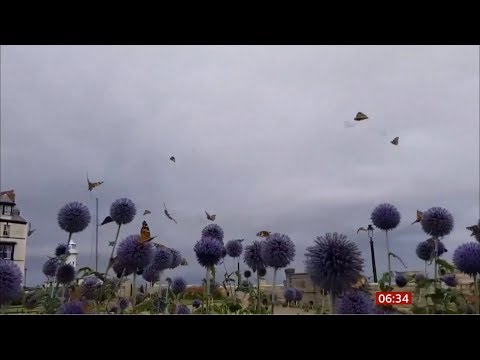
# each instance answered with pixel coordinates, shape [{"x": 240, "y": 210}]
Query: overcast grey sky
[{"x": 259, "y": 136}]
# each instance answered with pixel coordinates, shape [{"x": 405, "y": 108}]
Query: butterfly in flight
[
  {"x": 263, "y": 233},
  {"x": 172, "y": 158},
  {"x": 360, "y": 116},
  {"x": 107, "y": 220},
  {"x": 394, "y": 141},
  {"x": 419, "y": 217},
  {"x": 210, "y": 217},
  {"x": 145, "y": 235},
  {"x": 361, "y": 229},
  {"x": 93, "y": 185},
  {"x": 146, "y": 212},
  {"x": 167, "y": 214},
  {"x": 30, "y": 232},
  {"x": 475, "y": 229}
]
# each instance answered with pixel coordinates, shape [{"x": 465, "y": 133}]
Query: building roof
[
  {"x": 9, "y": 196},
  {"x": 5, "y": 199}
]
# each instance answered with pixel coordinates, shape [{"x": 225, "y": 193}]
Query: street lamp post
[{"x": 372, "y": 251}]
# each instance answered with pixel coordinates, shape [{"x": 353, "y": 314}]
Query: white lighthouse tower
[{"x": 72, "y": 254}]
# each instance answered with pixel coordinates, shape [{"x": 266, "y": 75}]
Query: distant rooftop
[{"x": 7, "y": 196}]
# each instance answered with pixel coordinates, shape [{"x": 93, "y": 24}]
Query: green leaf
[{"x": 446, "y": 265}]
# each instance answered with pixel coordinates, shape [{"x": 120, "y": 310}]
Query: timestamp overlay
[{"x": 393, "y": 298}]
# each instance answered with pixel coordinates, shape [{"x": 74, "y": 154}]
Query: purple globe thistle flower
[
  {"x": 176, "y": 258},
  {"x": 252, "y": 255},
  {"x": 151, "y": 274},
  {"x": 401, "y": 280},
  {"x": 467, "y": 258},
  {"x": 60, "y": 250},
  {"x": 10, "y": 281},
  {"x": 182, "y": 310},
  {"x": 385, "y": 217},
  {"x": 355, "y": 302},
  {"x": 123, "y": 303},
  {"x": 50, "y": 267},
  {"x": 262, "y": 272},
  {"x": 196, "y": 303},
  {"x": 120, "y": 268},
  {"x": 425, "y": 250},
  {"x": 289, "y": 294},
  {"x": 71, "y": 308},
  {"x": 65, "y": 273},
  {"x": 450, "y": 280},
  {"x": 163, "y": 258},
  {"x": 234, "y": 248},
  {"x": 208, "y": 251},
  {"x": 133, "y": 254},
  {"x": 334, "y": 263},
  {"x": 74, "y": 217},
  {"x": 178, "y": 285},
  {"x": 437, "y": 222},
  {"x": 298, "y": 295},
  {"x": 213, "y": 231},
  {"x": 247, "y": 273},
  {"x": 441, "y": 248},
  {"x": 122, "y": 211},
  {"x": 90, "y": 286},
  {"x": 420, "y": 277},
  {"x": 278, "y": 251}
]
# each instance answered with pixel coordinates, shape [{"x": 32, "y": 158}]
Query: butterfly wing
[
  {"x": 263, "y": 233},
  {"x": 475, "y": 229},
  {"x": 361, "y": 229},
  {"x": 395, "y": 141},
  {"x": 360, "y": 116},
  {"x": 144, "y": 232},
  {"x": 107, "y": 220},
  {"x": 172, "y": 158}
]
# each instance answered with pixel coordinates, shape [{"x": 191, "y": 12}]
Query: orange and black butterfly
[
  {"x": 394, "y": 141},
  {"x": 93, "y": 185},
  {"x": 145, "y": 236},
  {"x": 419, "y": 217},
  {"x": 475, "y": 229},
  {"x": 263, "y": 233},
  {"x": 210, "y": 217},
  {"x": 360, "y": 116}
]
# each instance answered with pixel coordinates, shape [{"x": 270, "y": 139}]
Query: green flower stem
[
  {"x": 388, "y": 261},
  {"x": 207, "y": 277},
  {"x": 258, "y": 294},
  {"x": 110, "y": 263},
  {"x": 332, "y": 302},
  {"x": 69, "y": 239},
  {"x": 273, "y": 288},
  {"x": 229, "y": 282},
  {"x": 134, "y": 289},
  {"x": 477, "y": 310},
  {"x": 159, "y": 290}
]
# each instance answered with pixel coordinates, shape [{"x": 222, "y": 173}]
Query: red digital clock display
[{"x": 393, "y": 298}]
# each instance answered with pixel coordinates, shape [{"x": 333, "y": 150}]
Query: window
[
  {"x": 6, "y": 251},
  {"x": 6, "y": 230},
  {"x": 7, "y": 210}
]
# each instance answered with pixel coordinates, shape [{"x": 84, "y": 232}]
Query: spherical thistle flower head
[
  {"x": 441, "y": 248},
  {"x": 178, "y": 285},
  {"x": 65, "y": 273},
  {"x": 355, "y": 302},
  {"x": 289, "y": 294},
  {"x": 234, "y": 248},
  {"x": 182, "y": 310},
  {"x": 262, "y": 272},
  {"x": 278, "y": 251},
  {"x": 400, "y": 280},
  {"x": 122, "y": 211},
  {"x": 162, "y": 258},
  {"x": 121, "y": 269},
  {"x": 298, "y": 295},
  {"x": 151, "y": 274},
  {"x": 71, "y": 308},
  {"x": 176, "y": 258},
  {"x": 334, "y": 263},
  {"x": 90, "y": 286},
  {"x": 196, "y": 303},
  {"x": 420, "y": 277},
  {"x": 437, "y": 222},
  {"x": 224, "y": 252},
  {"x": 467, "y": 258},
  {"x": 385, "y": 217},
  {"x": 450, "y": 280},
  {"x": 133, "y": 254},
  {"x": 10, "y": 281},
  {"x": 60, "y": 250},
  {"x": 208, "y": 251},
  {"x": 247, "y": 273},
  {"x": 252, "y": 256},
  {"x": 424, "y": 251},
  {"x": 74, "y": 217},
  {"x": 50, "y": 266},
  {"x": 123, "y": 303},
  {"x": 213, "y": 231}
]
